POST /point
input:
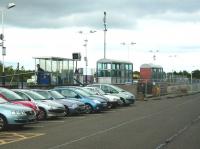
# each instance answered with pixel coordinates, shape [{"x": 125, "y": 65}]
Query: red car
[{"x": 12, "y": 97}]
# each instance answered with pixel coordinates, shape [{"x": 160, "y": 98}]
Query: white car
[
  {"x": 113, "y": 100},
  {"x": 126, "y": 97}
]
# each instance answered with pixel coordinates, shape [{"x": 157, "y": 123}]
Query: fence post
[
  {"x": 145, "y": 88},
  {"x": 3, "y": 79},
  {"x": 22, "y": 81}
]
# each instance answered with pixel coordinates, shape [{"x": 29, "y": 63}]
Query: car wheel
[
  {"x": 124, "y": 102},
  {"x": 88, "y": 109},
  {"x": 110, "y": 105},
  {"x": 66, "y": 111},
  {"x": 42, "y": 114},
  {"x": 3, "y": 123}
]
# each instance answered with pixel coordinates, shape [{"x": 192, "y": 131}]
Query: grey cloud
[{"x": 63, "y": 13}]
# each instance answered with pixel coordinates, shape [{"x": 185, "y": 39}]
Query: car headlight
[
  {"x": 96, "y": 101},
  {"x": 17, "y": 112},
  {"x": 74, "y": 106}
]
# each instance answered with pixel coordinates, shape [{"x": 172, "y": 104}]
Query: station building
[{"x": 114, "y": 71}]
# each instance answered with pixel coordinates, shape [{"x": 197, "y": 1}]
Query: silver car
[
  {"x": 72, "y": 106},
  {"x": 126, "y": 97},
  {"x": 112, "y": 99},
  {"x": 48, "y": 108}
]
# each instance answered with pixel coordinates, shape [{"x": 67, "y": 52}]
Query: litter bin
[{"x": 44, "y": 79}]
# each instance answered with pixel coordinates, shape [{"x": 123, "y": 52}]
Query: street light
[
  {"x": 192, "y": 79},
  {"x": 85, "y": 45},
  {"x": 172, "y": 76},
  {"x": 154, "y": 54},
  {"x": 10, "y": 5},
  {"x": 105, "y": 30},
  {"x": 128, "y": 44}
]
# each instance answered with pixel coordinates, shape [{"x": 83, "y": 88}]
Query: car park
[
  {"x": 126, "y": 97},
  {"x": 14, "y": 98},
  {"x": 48, "y": 108},
  {"x": 72, "y": 106},
  {"x": 92, "y": 104},
  {"x": 13, "y": 114}
]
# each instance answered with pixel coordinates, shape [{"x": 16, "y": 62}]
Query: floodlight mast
[
  {"x": 10, "y": 5},
  {"x": 105, "y": 30}
]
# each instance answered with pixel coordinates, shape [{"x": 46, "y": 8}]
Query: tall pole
[
  {"x": 173, "y": 68},
  {"x": 154, "y": 54},
  {"x": 3, "y": 48},
  {"x": 191, "y": 82},
  {"x": 86, "y": 59},
  {"x": 2, "y": 44},
  {"x": 105, "y": 30},
  {"x": 85, "y": 45},
  {"x": 128, "y": 45},
  {"x": 10, "y": 5}
]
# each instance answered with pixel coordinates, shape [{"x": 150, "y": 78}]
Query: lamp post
[
  {"x": 154, "y": 54},
  {"x": 10, "y": 5},
  {"x": 105, "y": 30},
  {"x": 173, "y": 70},
  {"x": 128, "y": 44},
  {"x": 191, "y": 81},
  {"x": 85, "y": 45}
]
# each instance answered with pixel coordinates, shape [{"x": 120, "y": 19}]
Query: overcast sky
[{"x": 50, "y": 28}]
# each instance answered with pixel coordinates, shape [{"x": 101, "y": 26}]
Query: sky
[{"x": 170, "y": 29}]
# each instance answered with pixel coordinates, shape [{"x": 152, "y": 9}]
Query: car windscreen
[
  {"x": 101, "y": 92},
  {"x": 56, "y": 95},
  {"x": 46, "y": 94},
  {"x": 11, "y": 95},
  {"x": 35, "y": 95},
  {"x": 91, "y": 92},
  {"x": 118, "y": 89},
  {"x": 83, "y": 93}
]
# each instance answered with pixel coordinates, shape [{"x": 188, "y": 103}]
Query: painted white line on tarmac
[
  {"x": 77, "y": 117},
  {"x": 104, "y": 131},
  {"x": 52, "y": 121},
  {"x": 112, "y": 111},
  {"x": 114, "y": 127},
  {"x": 34, "y": 126}
]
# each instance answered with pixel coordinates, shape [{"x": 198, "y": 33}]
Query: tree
[{"x": 196, "y": 74}]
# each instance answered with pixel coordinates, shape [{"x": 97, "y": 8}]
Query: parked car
[
  {"x": 113, "y": 100},
  {"x": 11, "y": 96},
  {"x": 72, "y": 106},
  {"x": 92, "y": 104},
  {"x": 13, "y": 114},
  {"x": 126, "y": 97},
  {"x": 104, "y": 100},
  {"x": 48, "y": 108}
]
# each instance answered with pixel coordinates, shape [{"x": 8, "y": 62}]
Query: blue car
[
  {"x": 12, "y": 114},
  {"x": 72, "y": 106},
  {"x": 92, "y": 104}
]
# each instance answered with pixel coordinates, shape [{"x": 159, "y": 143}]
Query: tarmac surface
[{"x": 169, "y": 123}]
